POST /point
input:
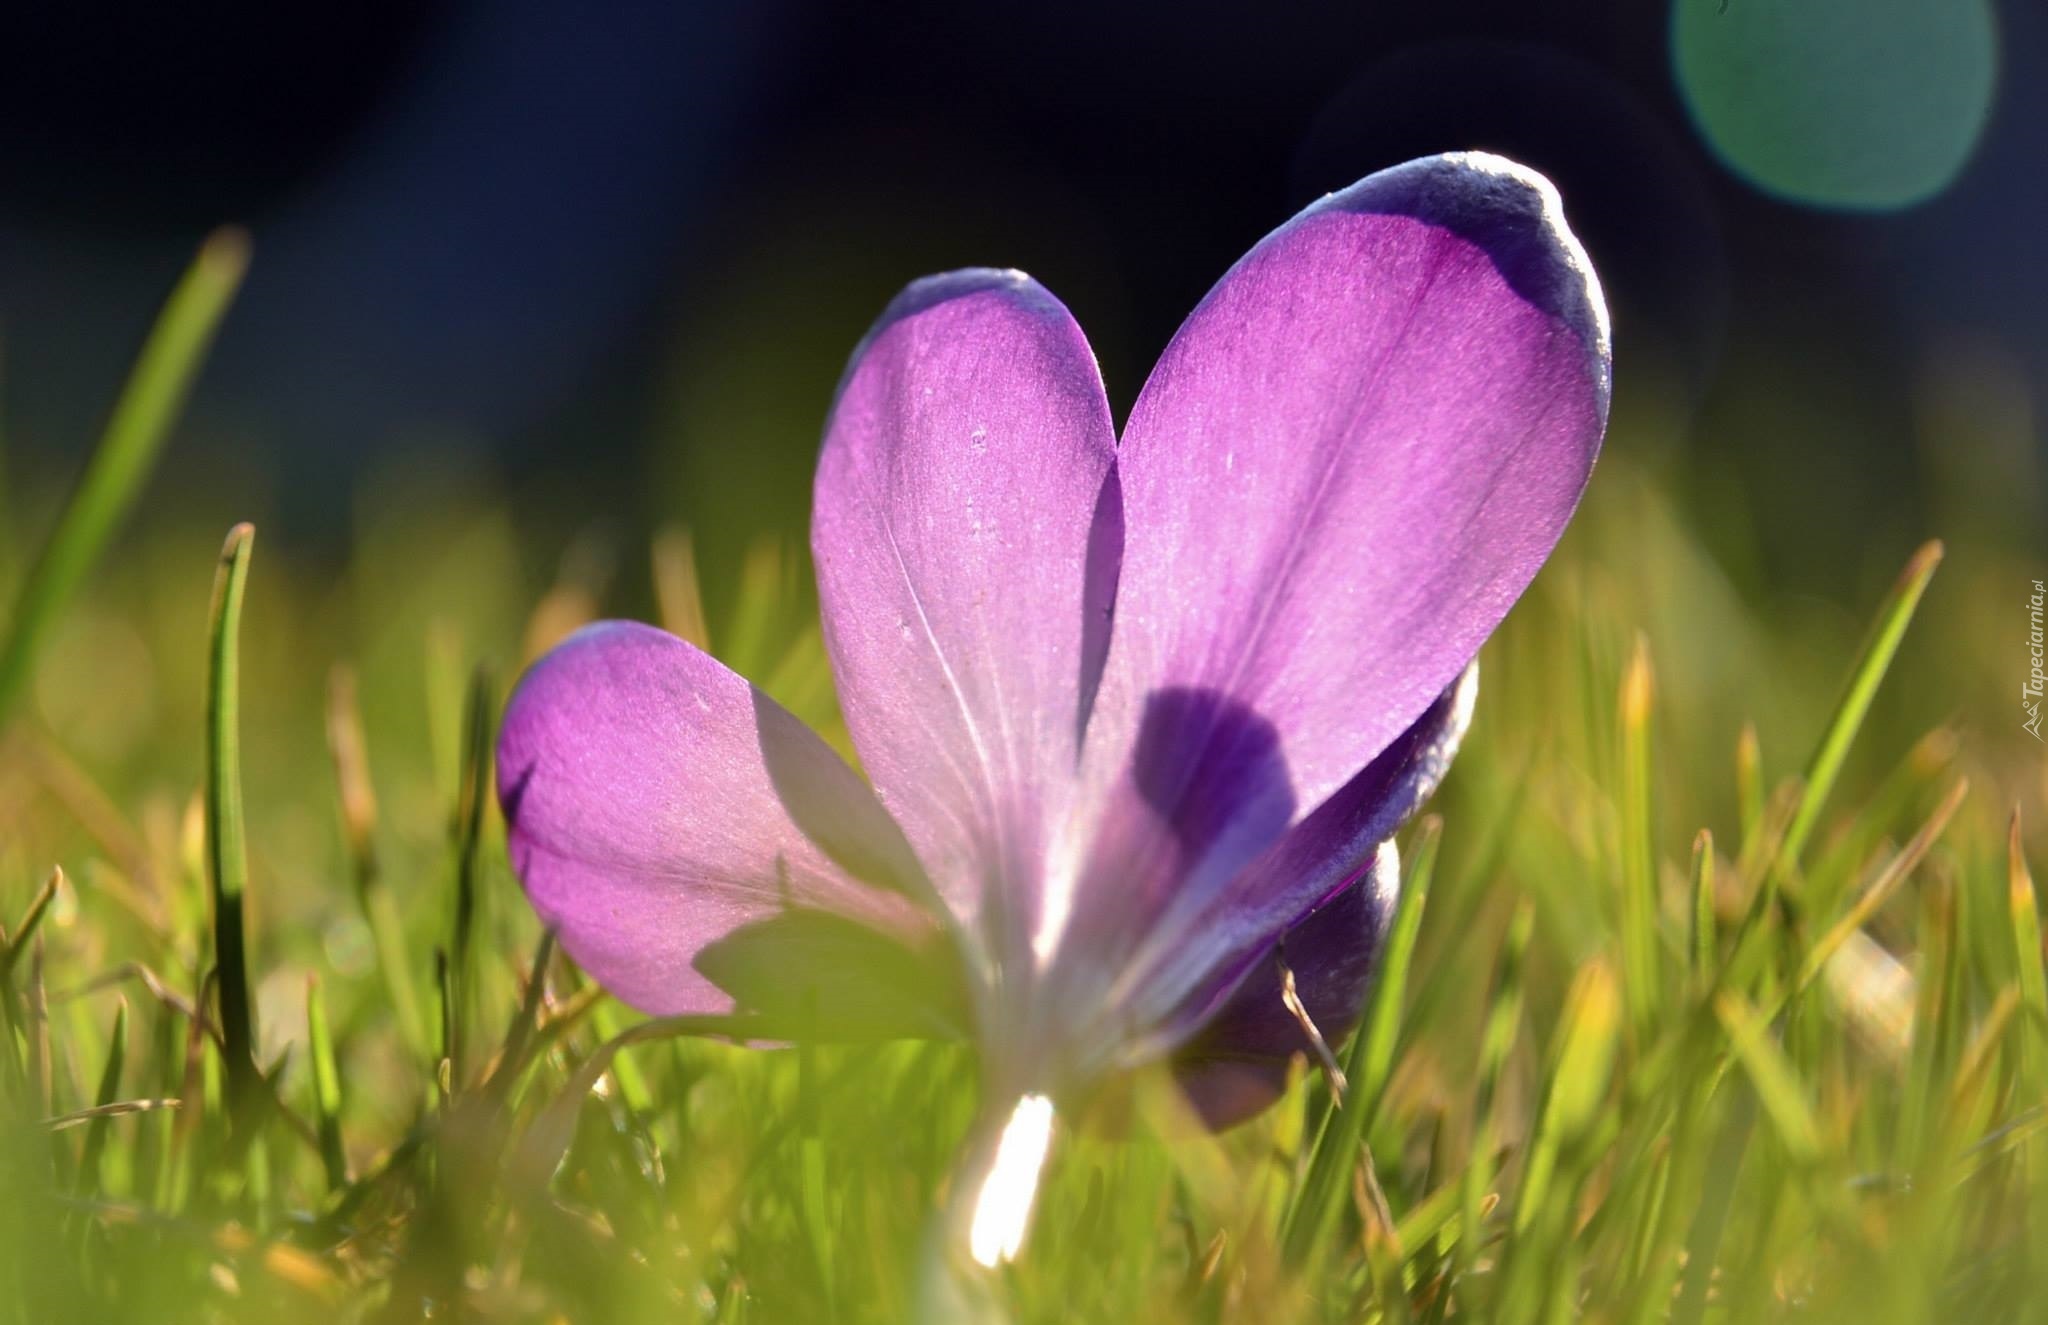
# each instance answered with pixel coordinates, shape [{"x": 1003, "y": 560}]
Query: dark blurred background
[{"x": 613, "y": 254}]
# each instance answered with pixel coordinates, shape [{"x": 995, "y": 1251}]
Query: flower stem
[{"x": 987, "y": 1215}]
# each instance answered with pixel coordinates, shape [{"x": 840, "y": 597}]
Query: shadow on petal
[
  {"x": 1206, "y": 790},
  {"x": 818, "y": 976},
  {"x": 1098, "y": 596},
  {"x": 1213, "y": 771},
  {"x": 851, "y": 829}
]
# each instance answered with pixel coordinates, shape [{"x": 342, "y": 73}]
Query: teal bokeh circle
[{"x": 1856, "y": 104}]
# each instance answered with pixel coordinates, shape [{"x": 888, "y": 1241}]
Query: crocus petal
[
  {"x": 966, "y": 533},
  {"x": 1344, "y": 470},
  {"x": 1237, "y": 1065},
  {"x": 658, "y": 805}
]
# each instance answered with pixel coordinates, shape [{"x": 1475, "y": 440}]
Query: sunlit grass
[{"x": 1680, "y": 1019}]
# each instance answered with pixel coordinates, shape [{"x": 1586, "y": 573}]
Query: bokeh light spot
[{"x": 1864, "y": 105}]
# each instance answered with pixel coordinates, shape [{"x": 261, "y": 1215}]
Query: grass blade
[
  {"x": 1587, "y": 1038},
  {"x": 1875, "y": 658},
  {"x": 1749, "y": 785},
  {"x": 1882, "y": 887},
  {"x": 1833, "y": 869},
  {"x": 117, "y": 1109},
  {"x": 88, "y": 1180},
  {"x": 350, "y": 753},
  {"x": 1369, "y": 1063},
  {"x": 1373, "y": 1062},
  {"x": 1776, "y": 1081},
  {"x": 227, "y": 852},
  {"x": 1715, "y": 1204},
  {"x": 36, "y": 1026},
  {"x": 472, "y": 803},
  {"x": 2026, "y": 924},
  {"x": 1498, "y": 1038},
  {"x": 326, "y": 1086},
  {"x": 12, "y": 948},
  {"x": 127, "y": 452},
  {"x": 767, "y": 578},
  {"x": 678, "y": 591},
  {"x": 1642, "y": 970},
  {"x": 1705, "y": 919},
  {"x": 608, "y": 1019}
]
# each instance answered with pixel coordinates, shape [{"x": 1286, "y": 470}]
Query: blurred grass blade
[
  {"x": 1705, "y": 920},
  {"x": 1501, "y": 1032},
  {"x": 227, "y": 852},
  {"x": 1928, "y": 1064},
  {"x": 127, "y": 452},
  {"x": 350, "y": 752},
  {"x": 116, "y": 1109},
  {"x": 444, "y": 1079},
  {"x": 471, "y": 805},
  {"x": 1368, "y": 1065},
  {"x": 1749, "y": 786},
  {"x": 1642, "y": 985},
  {"x": 608, "y": 1019},
  {"x": 678, "y": 591},
  {"x": 1882, "y": 887},
  {"x": 104, "y": 1100},
  {"x": 1504, "y": 1010},
  {"x": 2024, "y": 904},
  {"x": 1433, "y": 1215},
  {"x": 767, "y": 583},
  {"x": 547, "y": 1140},
  {"x": 816, "y": 1205},
  {"x": 1982, "y": 1052},
  {"x": 1712, "y": 1212},
  {"x": 326, "y": 1086},
  {"x": 444, "y": 675},
  {"x": 25, "y": 932},
  {"x": 36, "y": 1021},
  {"x": 1587, "y": 1037},
  {"x": 2024, "y": 910},
  {"x": 179, "y": 1175},
  {"x": 345, "y": 746},
  {"x": 1879, "y": 647},
  {"x": 1372, "y": 1062},
  {"x": 1878, "y": 817},
  {"x": 1776, "y": 1081},
  {"x": 152, "y": 1142},
  {"x": 511, "y": 1057}
]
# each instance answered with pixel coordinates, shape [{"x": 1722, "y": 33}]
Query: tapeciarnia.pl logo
[{"x": 2030, "y": 693}]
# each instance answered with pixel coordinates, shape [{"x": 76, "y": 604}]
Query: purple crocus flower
[{"x": 1138, "y": 717}]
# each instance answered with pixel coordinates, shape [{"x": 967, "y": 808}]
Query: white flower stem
[
  {"x": 1007, "y": 1189},
  {"x": 987, "y": 1216}
]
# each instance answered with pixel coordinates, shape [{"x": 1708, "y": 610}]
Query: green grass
[
  {"x": 121, "y": 465},
  {"x": 1685, "y": 1017}
]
